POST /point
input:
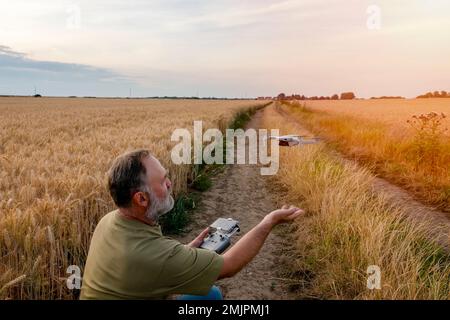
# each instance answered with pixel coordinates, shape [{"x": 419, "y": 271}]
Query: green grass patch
[
  {"x": 202, "y": 183},
  {"x": 174, "y": 221}
]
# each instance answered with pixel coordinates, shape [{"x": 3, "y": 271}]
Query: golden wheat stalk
[{"x": 14, "y": 282}]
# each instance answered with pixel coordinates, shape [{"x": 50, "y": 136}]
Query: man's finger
[
  {"x": 296, "y": 214},
  {"x": 203, "y": 234},
  {"x": 291, "y": 209}
]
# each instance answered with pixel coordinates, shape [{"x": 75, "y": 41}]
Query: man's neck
[{"x": 128, "y": 213}]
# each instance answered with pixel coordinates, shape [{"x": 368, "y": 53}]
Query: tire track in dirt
[{"x": 240, "y": 192}]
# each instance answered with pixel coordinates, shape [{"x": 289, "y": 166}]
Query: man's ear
[{"x": 141, "y": 199}]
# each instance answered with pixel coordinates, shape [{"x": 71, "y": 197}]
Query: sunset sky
[{"x": 224, "y": 48}]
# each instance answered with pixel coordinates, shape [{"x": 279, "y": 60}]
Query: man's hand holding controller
[{"x": 249, "y": 245}]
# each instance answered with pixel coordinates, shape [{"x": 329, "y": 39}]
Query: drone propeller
[
  {"x": 293, "y": 136},
  {"x": 287, "y": 137}
]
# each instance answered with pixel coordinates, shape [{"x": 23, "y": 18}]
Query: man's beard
[{"x": 159, "y": 207}]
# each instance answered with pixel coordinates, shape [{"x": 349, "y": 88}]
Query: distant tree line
[
  {"x": 388, "y": 97},
  {"x": 435, "y": 94},
  {"x": 164, "y": 97},
  {"x": 283, "y": 96}
]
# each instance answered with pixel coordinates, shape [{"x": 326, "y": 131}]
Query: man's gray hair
[{"x": 127, "y": 176}]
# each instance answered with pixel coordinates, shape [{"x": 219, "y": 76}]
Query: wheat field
[
  {"x": 404, "y": 141},
  {"x": 349, "y": 227},
  {"x": 392, "y": 112},
  {"x": 54, "y": 154}
]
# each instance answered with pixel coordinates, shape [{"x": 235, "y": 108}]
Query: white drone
[{"x": 291, "y": 140}]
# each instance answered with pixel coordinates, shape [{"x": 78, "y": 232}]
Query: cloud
[
  {"x": 220, "y": 16},
  {"x": 19, "y": 74},
  {"x": 4, "y": 50}
]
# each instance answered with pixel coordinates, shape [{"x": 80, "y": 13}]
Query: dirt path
[
  {"x": 240, "y": 192},
  {"x": 440, "y": 220}
]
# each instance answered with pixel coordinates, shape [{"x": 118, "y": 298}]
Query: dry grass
[
  {"x": 417, "y": 159},
  {"x": 349, "y": 227},
  {"x": 53, "y": 157}
]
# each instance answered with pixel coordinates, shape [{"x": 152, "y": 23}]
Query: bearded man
[{"x": 129, "y": 258}]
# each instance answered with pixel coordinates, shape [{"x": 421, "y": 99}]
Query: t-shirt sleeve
[{"x": 190, "y": 270}]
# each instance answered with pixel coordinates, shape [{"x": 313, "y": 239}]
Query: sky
[{"x": 232, "y": 48}]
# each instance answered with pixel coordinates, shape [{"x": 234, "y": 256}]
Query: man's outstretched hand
[
  {"x": 199, "y": 240},
  {"x": 285, "y": 214},
  {"x": 249, "y": 245}
]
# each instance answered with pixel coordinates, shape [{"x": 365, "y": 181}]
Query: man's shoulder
[
  {"x": 103, "y": 222},
  {"x": 107, "y": 217}
]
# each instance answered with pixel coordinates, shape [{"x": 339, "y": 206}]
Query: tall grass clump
[{"x": 427, "y": 144}]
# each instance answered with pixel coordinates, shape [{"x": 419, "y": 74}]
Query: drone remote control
[{"x": 219, "y": 240}]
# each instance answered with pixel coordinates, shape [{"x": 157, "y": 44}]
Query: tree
[
  {"x": 347, "y": 96},
  {"x": 334, "y": 97},
  {"x": 435, "y": 94},
  {"x": 281, "y": 96}
]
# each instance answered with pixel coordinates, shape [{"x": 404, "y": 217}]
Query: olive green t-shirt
[{"x": 128, "y": 259}]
